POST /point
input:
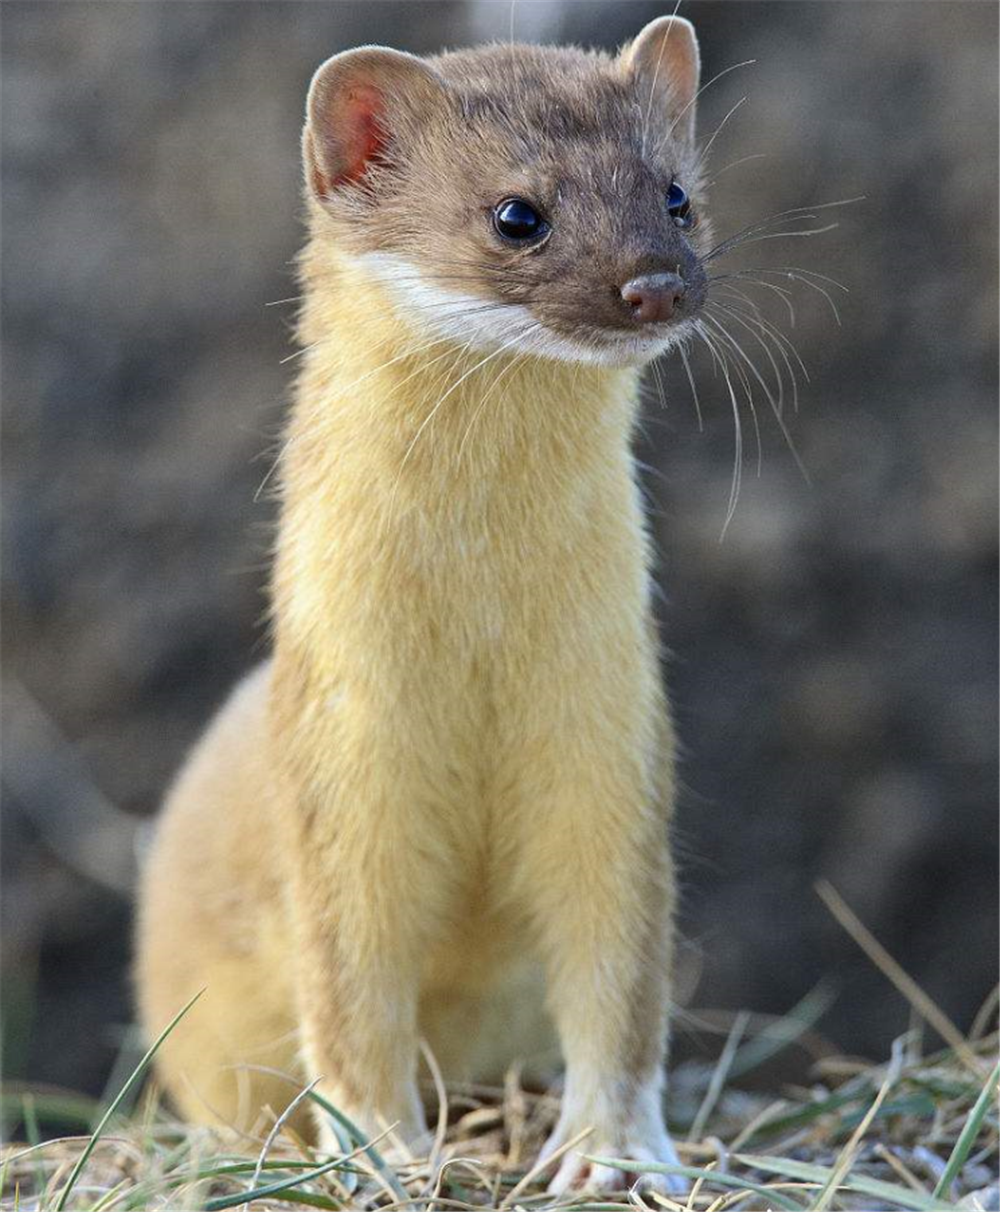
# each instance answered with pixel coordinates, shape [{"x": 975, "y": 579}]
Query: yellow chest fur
[{"x": 446, "y": 508}]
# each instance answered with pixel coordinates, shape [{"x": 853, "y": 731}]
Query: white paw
[{"x": 576, "y": 1173}]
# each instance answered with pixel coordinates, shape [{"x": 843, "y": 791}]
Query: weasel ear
[
  {"x": 360, "y": 103},
  {"x": 664, "y": 63}
]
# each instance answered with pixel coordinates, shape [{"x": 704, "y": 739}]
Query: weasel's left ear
[
  {"x": 364, "y": 106},
  {"x": 664, "y": 63}
]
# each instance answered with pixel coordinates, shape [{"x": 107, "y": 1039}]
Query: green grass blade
[
  {"x": 30, "y": 1120},
  {"x": 249, "y": 1166},
  {"x": 905, "y": 1197},
  {"x": 31, "y": 1131},
  {"x": 798, "y": 1117},
  {"x": 111, "y": 1196},
  {"x": 347, "y": 1144},
  {"x": 129, "y": 1050},
  {"x": 75, "y": 1110},
  {"x": 359, "y": 1138},
  {"x": 285, "y": 1184},
  {"x": 917, "y": 1107},
  {"x": 848, "y": 1154},
  {"x": 143, "y": 1191},
  {"x": 709, "y": 1176},
  {"x": 308, "y": 1200},
  {"x": 802, "y": 1017},
  {"x": 719, "y": 1076},
  {"x": 117, "y": 1101},
  {"x": 969, "y": 1133},
  {"x": 586, "y": 1207}
]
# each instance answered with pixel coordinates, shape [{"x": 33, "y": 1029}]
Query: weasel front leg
[
  {"x": 359, "y": 914},
  {"x": 358, "y": 1025},
  {"x": 358, "y": 997},
  {"x": 603, "y": 892}
]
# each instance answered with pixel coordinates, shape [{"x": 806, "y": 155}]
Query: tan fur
[{"x": 441, "y": 809}]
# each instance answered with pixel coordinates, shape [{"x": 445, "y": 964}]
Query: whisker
[
  {"x": 685, "y": 361},
  {"x": 783, "y": 294},
  {"x": 736, "y": 346},
  {"x": 299, "y": 352},
  {"x": 780, "y": 270},
  {"x": 777, "y": 405},
  {"x": 794, "y": 213},
  {"x": 777, "y": 412},
  {"x": 797, "y": 276},
  {"x": 476, "y": 279},
  {"x": 733, "y": 164},
  {"x": 658, "y": 380},
  {"x": 467, "y": 263},
  {"x": 812, "y": 273},
  {"x": 751, "y": 229},
  {"x": 517, "y": 360},
  {"x": 433, "y": 412},
  {"x": 447, "y": 310},
  {"x": 785, "y": 235},
  {"x": 737, "y": 480},
  {"x": 793, "y": 274},
  {"x": 285, "y": 447},
  {"x": 703, "y": 154},
  {"x": 763, "y": 330},
  {"x": 289, "y": 442},
  {"x": 716, "y": 365},
  {"x": 814, "y": 206},
  {"x": 730, "y": 342},
  {"x": 652, "y": 87},
  {"x": 782, "y": 338},
  {"x": 453, "y": 364},
  {"x": 762, "y": 233},
  {"x": 784, "y": 291},
  {"x": 704, "y": 88}
]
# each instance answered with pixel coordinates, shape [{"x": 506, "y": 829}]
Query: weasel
[{"x": 440, "y": 810}]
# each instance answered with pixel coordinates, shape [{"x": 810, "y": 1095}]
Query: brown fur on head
[{"x": 408, "y": 160}]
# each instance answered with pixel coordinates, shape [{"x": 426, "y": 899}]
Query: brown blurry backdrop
[{"x": 833, "y": 660}]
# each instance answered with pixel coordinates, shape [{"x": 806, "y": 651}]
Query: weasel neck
[
  {"x": 464, "y": 476},
  {"x": 421, "y": 412}
]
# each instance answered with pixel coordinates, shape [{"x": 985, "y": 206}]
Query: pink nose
[{"x": 654, "y": 297}]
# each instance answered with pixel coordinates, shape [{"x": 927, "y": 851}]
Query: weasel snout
[{"x": 654, "y": 298}]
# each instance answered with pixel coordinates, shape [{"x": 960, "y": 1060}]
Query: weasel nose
[{"x": 654, "y": 297}]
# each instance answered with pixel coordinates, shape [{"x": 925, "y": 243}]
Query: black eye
[
  {"x": 679, "y": 206},
  {"x": 516, "y": 219}
]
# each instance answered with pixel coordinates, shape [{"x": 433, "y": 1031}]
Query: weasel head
[{"x": 544, "y": 198}]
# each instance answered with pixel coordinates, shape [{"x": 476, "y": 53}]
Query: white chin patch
[{"x": 480, "y": 324}]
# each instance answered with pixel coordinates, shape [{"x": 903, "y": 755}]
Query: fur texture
[{"x": 441, "y": 809}]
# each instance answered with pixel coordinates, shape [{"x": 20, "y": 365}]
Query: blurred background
[{"x": 832, "y": 661}]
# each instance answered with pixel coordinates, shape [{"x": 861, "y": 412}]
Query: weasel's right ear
[
  {"x": 663, "y": 61},
  {"x": 358, "y": 102}
]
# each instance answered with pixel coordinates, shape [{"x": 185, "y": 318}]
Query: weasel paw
[{"x": 575, "y": 1173}]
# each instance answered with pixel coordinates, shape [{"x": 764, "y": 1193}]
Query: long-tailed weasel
[{"x": 440, "y": 810}]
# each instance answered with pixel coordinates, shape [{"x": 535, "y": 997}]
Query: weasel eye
[
  {"x": 679, "y": 206},
  {"x": 516, "y": 219}
]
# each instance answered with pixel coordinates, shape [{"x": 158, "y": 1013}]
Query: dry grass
[{"x": 918, "y": 1133}]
